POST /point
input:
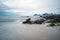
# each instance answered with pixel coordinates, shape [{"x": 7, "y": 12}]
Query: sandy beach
[{"x": 11, "y": 28}]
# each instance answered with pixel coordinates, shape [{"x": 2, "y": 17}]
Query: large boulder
[
  {"x": 39, "y": 21},
  {"x": 27, "y": 21},
  {"x": 52, "y": 24}
]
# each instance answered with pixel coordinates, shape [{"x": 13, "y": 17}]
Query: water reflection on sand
[{"x": 17, "y": 31}]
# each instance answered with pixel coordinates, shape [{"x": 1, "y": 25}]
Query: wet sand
[{"x": 15, "y": 30}]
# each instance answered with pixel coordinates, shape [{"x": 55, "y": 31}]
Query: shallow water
[{"x": 11, "y": 28}]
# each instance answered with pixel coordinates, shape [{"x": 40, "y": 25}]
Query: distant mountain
[
  {"x": 44, "y": 14},
  {"x": 47, "y": 14},
  {"x": 37, "y": 14}
]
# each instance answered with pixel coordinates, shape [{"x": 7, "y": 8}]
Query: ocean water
[{"x": 11, "y": 28}]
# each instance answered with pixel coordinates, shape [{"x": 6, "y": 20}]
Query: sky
[{"x": 27, "y": 7}]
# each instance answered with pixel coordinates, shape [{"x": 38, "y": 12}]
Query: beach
[{"x": 11, "y": 28}]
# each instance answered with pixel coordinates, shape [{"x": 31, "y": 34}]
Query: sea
[{"x": 12, "y": 28}]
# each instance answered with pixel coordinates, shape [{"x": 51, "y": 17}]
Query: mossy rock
[
  {"x": 38, "y": 22},
  {"x": 51, "y": 24}
]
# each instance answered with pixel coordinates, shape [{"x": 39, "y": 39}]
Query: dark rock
[
  {"x": 39, "y": 21},
  {"x": 27, "y": 21},
  {"x": 51, "y": 24}
]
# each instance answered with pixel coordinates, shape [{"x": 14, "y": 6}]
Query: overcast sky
[{"x": 30, "y": 6}]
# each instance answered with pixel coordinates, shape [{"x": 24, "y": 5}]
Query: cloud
[
  {"x": 3, "y": 7},
  {"x": 31, "y": 6}
]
